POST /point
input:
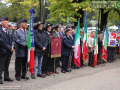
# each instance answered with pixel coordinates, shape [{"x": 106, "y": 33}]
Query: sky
[{"x": 2, "y": 1}]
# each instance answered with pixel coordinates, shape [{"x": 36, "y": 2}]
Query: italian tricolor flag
[
  {"x": 85, "y": 42},
  {"x": 30, "y": 43},
  {"x": 77, "y": 47},
  {"x": 95, "y": 45},
  {"x": 104, "y": 47}
]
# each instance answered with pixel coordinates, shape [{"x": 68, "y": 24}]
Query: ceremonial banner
[
  {"x": 55, "y": 47},
  {"x": 112, "y": 39}
]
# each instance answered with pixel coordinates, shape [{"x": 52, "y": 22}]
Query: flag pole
[
  {"x": 28, "y": 49},
  {"x": 71, "y": 55}
]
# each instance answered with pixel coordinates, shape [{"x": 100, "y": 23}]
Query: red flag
[{"x": 31, "y": 62}]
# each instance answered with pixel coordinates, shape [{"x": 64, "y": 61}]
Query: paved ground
[{"x": 102, "y": 77}]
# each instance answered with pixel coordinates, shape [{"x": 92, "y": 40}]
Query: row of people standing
[{"x": 45, "y": 64}]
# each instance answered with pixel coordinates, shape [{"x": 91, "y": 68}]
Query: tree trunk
[
  {"x": 81, "y": 19},
  {"x": 103, "y": 20},
  {"x": 80, "y": 11},
  {"x": 40, "y": 9}
]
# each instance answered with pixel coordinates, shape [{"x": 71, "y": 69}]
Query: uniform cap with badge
[{"x": 4, "y": 19}]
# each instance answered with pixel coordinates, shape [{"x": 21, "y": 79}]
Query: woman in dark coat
[{"x": 47, "y": 61}]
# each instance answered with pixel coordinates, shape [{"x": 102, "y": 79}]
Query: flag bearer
[{"x": 67, "y": 46}]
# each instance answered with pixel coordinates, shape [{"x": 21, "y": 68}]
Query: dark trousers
[
  {"x": 98, "y": 57},
  {"x": 20, "y": 62},
  {"x": 45, "y": 63},
  {"x": 91, "y": 57},
  {"x": 110, "y": 53},
  {"x": 64, "y": 63},
  {"x": 50, "y": 64},
  {"x": 72, "y": 62},
  {"x": 81, "y": 60},
  {"x": 4, "y": 65}
]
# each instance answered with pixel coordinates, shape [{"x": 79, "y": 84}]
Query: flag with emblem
[
  {"x": 85, "y": 42},
  {"x": 30, "y": 43},
  {"x": 77, "y": 47},
  {"x": 95, "y": 45}
]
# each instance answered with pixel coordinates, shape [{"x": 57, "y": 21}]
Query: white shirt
[{"x": 4, "y": 29}]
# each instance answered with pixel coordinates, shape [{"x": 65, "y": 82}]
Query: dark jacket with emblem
[
  {"x": 20, "y": 38},
  {"x": 41, "y": 41},
  {"x": 6, "y": 42},
  {"x": 67, "y": 44},
  {"x": 48, "y": 49}
]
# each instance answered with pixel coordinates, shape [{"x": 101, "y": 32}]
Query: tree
[
  {"x": 68, "y": 10},
  {"x": 19, "y": 9}
]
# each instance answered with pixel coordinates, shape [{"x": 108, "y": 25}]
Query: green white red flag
[{"x": 77, "y": 47}]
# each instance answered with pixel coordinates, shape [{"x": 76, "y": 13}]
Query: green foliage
[
  {"x": 65, "y": 9},
  {"x": 19, "y": 9}
]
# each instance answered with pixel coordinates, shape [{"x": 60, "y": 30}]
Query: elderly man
[
  {"x": 90, "y": 45},
  {"x": 20, "y": 37},
  {"x": 67, "y": 46},
  {"x": 6, "y": 49}
]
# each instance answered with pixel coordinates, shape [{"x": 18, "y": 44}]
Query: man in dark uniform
[
  {"x": 67, "y": 46},
  {"x": 20, "y": 37},
  {"x": 6, "y": 49},
  {"x": 99, "y": 47}
]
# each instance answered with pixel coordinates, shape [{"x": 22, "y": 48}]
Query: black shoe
[
  {"x": 68, "y": 70},
  {"x": 63, "y": 71},
  {"x": 40, "y": 75},
  {"x": 110, "y": 61},
  {"x": 1, "y": 82},
  {"x": 73, "y": 67},
  {"x": 77, "y": 67},
  {"x": 81, "y": 66},
  {"x": 18, "y": 78},
  {"x": 58, "y": 65},
  {"x": 33, "y": 76},
  {"x": 24, "y": 78},
  {"x": 8, "y": 79}
]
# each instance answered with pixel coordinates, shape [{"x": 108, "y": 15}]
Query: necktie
[{"x": 6, "y": 31}]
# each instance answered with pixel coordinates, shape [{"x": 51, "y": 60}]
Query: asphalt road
[{"x": 103, "y": 77}]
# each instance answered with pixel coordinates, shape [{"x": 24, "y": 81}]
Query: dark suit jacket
[
  {"x": 6, "y": 42},
  {"x": 67, "y": 44}
]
